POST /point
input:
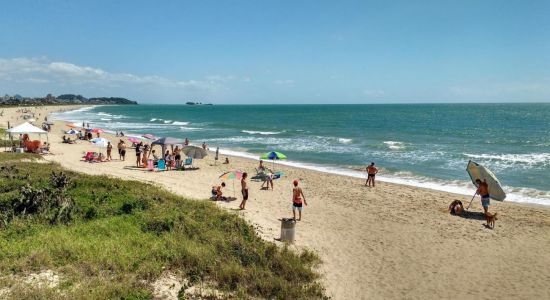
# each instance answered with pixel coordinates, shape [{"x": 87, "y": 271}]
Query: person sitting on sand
[
  {"x": 483, "y": 192},
  {"x": 456, "y": 207},
  {"x": 204, "y": 146},
  {"x": 155, "y": 158},
  {"x": 217, "y": 192},
  {"x": 261, "y": 167},
  {"x": 371, "y": 173},
  {"x": 297, "y": 199},
  {"x": 226, "y": 162}
]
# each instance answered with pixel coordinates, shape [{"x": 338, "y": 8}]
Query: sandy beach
[{"x": 388, "y": 242}]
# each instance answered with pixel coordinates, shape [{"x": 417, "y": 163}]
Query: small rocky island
[
  {"x": 64, "y": 99},
  {"x": 197, "y": 103}
]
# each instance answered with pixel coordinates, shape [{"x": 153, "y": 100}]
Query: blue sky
[{"x": 278, "y": 51}]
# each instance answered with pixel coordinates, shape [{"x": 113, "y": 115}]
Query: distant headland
[{"x": 18, "y": 100}]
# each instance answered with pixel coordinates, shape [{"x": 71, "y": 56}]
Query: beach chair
[
  {"x": 188, "y": 163},
  {"x": 161, "y": 165},
  {"x": 150, "y": 165}
]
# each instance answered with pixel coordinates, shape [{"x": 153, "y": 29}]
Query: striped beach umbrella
[{"x": 232, "y": 175}]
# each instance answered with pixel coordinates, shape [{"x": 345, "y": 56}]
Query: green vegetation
[{"x": 108, "y": 238}]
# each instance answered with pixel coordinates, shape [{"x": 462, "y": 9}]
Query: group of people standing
[{"x": 298, "y": 198}]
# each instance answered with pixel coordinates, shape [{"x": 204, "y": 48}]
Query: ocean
[{"x": 425, "y": 145}]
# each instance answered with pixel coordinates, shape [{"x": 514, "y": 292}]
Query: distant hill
[{"x": 62, "y": 99}]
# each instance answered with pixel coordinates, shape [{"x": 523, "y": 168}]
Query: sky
[{"x": 265, "y": 52}]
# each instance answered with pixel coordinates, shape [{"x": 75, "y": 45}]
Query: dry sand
[{"x": 388, "y": 242}]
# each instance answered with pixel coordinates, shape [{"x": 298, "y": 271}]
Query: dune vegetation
[{"x": 106, "y": 238}]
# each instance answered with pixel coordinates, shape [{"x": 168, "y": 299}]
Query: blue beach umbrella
[{"x": 72, "y": 131}]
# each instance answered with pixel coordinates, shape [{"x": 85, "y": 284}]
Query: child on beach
[
  {"x": 169, "y": 159},
  {"x": 297, "y": 199}
]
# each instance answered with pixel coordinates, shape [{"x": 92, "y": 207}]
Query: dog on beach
[{"x": 491, "y": 218}]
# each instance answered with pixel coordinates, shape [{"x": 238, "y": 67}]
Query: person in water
[
  {"x": 371, "y": 173},
  {"x": 298, "y": 199},
  {"x": 483, "y": 192},
  {"x": 244, "y": 190}
]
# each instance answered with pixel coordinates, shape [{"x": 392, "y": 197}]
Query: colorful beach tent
[
  {"x": 163, "y": 141},
  {"x": 477, "y": 171}
]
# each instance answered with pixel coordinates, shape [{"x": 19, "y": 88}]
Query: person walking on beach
[
  {"x": 109, "y": 150},
  {"x": 483, "y": 191},
  {"x": 371, "y": 173},
  {"x": 244, "y": 190},
  {"x": 138, "y": 154},
  {"x": 298, "y": 199}
]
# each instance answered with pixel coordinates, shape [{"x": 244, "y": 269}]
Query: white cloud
[{"x": 34, "y": 70}]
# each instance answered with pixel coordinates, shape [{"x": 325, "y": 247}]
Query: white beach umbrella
[
  {"x": 194, "y": 152},
  {"x": 100, "y": 142}
]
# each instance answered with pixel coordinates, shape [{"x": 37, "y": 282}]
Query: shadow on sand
[{"x": 473, "y": 215}]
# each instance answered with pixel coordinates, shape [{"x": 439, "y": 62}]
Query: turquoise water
[{"x": 425, "y": 145}]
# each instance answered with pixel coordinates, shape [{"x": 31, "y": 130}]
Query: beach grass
[{"x": 110, "y": 238}]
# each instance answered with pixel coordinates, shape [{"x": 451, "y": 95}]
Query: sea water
[{"x": 426, "y": 145}]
